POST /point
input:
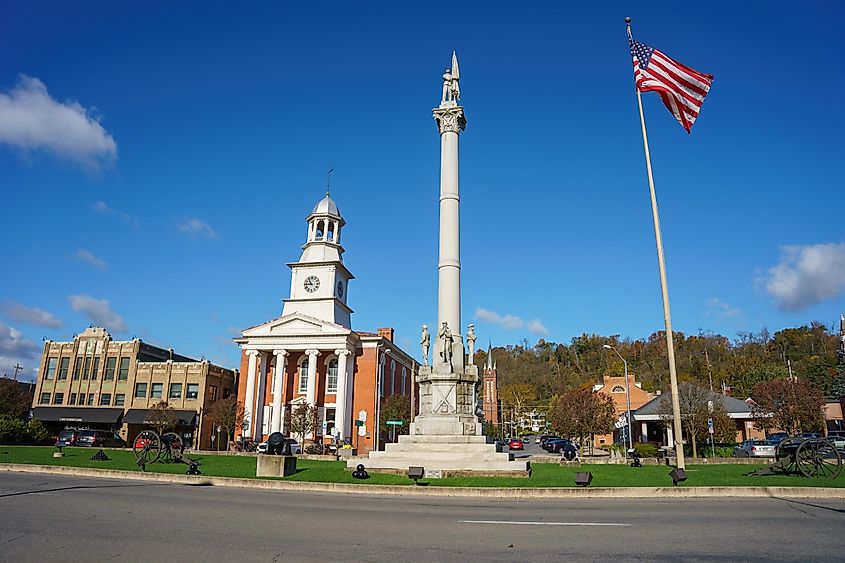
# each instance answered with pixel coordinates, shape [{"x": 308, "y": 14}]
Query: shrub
[
  {"x": 646, "y": 449},
  {"x": 12, "y": 430},
  {"x": 35, "y": 432}
]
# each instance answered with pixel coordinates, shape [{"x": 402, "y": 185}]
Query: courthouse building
[
  {"x": 98, "y": 383},
  {"x": 310, "y": 354}
]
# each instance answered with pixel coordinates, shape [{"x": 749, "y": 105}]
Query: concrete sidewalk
[{"x": 429, "y": 491}]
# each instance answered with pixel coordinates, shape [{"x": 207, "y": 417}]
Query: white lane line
[{"x": 518, "y": 523}]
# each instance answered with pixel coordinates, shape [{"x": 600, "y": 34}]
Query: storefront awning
[
  {"x": 142, "y": 416},
  {"x": 77, "y": 414}
]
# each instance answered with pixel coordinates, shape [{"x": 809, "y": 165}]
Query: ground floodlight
[
  {"x": 677, "y": 476},
  {"x": 416, "y": 473},
  {"x": 583, "y": 479}
]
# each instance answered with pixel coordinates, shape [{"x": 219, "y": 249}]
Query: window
[
  {"x": 303, "y": 377},
  {"x": 404, "y": 377},
  {"x": 140, "y": 390},
  {"x": 72, "y": 399},
  {"x": 226, "y": 393},
  {"x": 96, "y": 368},
  {"x": 51, "y": 368},
  {"x": 392, "y": 377},
  {"x": 58, "y": 398},
  {"x": 193, "y": 391},
  {"x": 45, "y": 399},
  {"x": 331, "y": 378},
  {"x": 77, "y": 368},
  {"x": 155, "y": 390},
  {"x": 86, "y": 368},
  {"x": 330, "y": 414},
  {"x": 212, "y": 393},
  {"x": 175, "y": 391},
  {"x": 119, "y": 399},
  {"x": 105, "y": 399},
  {"x": 63, "y": 364},
  {"x": 110, "y": 363},
  {"x": 124, "y": 369},
  {"x": 618, "y": 389},
  {"x": 90, "y": 399}
]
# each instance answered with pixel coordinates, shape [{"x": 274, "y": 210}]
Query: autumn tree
[
  {"x": 517, "y": 398},
  {"x": 395, "y": 407},
  {"x": 791, "y": 404},
  {"x": 14, "y": 402},
  {"x": 693, "y": 401},
  {"x": 228, "y": 414},
  {"x": 302, "y": 420},
  {"x": 582, "y": 413},
  {"x": 162, "y": 417}
]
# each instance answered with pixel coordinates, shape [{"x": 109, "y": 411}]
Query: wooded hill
[{"x": 554, "y": 369}]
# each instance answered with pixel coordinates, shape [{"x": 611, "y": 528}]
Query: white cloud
[
  {"x": 89, "y": 258},
  {"x": 98, "y": 311},
  {"x": 719, "y": 309},
  {"x": 105, "y": 209},
  {"x": 31, "y": 315},
  {"x": 31, "y": 120},
  {"x": 511, "y": 322},
  {"x": 806, "y": 275},
  {"x": 15, "y": 349},
  {"x": 194, "y": 228}
]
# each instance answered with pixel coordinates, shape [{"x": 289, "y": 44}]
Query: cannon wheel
[
  {"x": 817, "y": 457},
  {"x": 785, "y": 453},
  {"x": 172, "y": 447},
  {"x": 147, "y": 447}
]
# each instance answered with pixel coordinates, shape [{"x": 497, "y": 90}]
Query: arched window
[
  {"x": 618, "y": 389},
  {"x": 331, "y": 377},
  {"x": 318, "y": 233},
  {"x": 303, "y": 376},
  {"x": 392, "y": 377},
  {"x": 404, "y": 377}
]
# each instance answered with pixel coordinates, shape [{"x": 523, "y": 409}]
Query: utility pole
[{"x": 17, "y": 367}]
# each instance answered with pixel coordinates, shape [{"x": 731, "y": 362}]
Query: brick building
[
  {"x": 310, "y": 354},
  {"x": 99, "y": 383},
  {"x": 614, "y": 387},
  {"x": 490, "y": 389}
]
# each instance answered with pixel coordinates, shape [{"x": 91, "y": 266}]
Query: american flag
[{"x": 681, "y": 88}]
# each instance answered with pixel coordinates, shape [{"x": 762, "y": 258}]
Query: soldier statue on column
[
  {"x": 425, "y": 343},
  {"x": 445, "y": 335},
  {"x": 471, "y": 343}
]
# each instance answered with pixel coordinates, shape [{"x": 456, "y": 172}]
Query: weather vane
[{"x": 329, "y": 180}]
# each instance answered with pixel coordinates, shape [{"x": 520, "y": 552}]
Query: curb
[{"x": 408, "y": 490}]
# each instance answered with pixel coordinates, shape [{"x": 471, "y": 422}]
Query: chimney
[{"x": 386, "y": 333}]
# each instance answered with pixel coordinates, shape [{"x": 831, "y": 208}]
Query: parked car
[
  {"x": 776, "y": 438},
  {"x": 837, "y": 438},
  {"x": 545, "y": 438},
  {"x": 100, "y": 439},
  {"x": 808, "y": 435},
  {"x": 558, "y": 445},
  {"x": 516, "y": 444},
  {"x": 67, "y": 438},
  {"x": 755, "y": 448},
  {"x": 294, "y": 447},
  {"x": 549, "y": 443}
]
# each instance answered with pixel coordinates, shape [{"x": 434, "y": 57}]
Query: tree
[
  {"x": 693, "y": 401},
  {"x": 793, "y": 405},
  {"x": 303, "y": 420},
  {"x": 162, "y": 417},
  {"x": 582, "y": 413},
  {"x": 228, "y": 414},
  {"x": 14, "y": 402},
  {"x": 396, "y": 407},
  {"x": 517, "y": 396}
]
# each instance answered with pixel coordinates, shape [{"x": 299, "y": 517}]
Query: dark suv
[
  {"x": 100, "y": 438},
  {"x": 67, "y": 438}
]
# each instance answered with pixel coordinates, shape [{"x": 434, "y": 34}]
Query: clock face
[
  {"x": 340, "y": 288},
  {"x": 312, "y": 284}
]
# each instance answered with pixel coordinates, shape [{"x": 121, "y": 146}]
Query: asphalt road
[{"x": 57, "y": 518}]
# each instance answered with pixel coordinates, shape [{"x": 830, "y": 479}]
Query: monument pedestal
[{"x": 275, "y": 465}]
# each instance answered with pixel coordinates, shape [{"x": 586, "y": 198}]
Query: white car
[
  {"x": 294, "y": 447},
  {"x": 837, "y": 438}
]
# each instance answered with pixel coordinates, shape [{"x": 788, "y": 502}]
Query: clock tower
[{"x": 319, "y": 280}]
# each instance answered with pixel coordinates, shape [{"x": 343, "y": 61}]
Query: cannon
[
  {"x": 811, "y": 457},
  {"x": 149, "y": 447}
]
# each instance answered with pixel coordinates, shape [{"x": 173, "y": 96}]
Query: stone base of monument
[
  {"x": 275, "y": 465},
  {"x": 448, "y": 455}
]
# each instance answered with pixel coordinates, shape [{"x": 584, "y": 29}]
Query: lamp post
[{"x": 627, "y": 394}]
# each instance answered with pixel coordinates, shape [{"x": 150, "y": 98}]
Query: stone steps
[
  {"x": 421, "y": 458},
  {"x": 441, "y": 439},
  {"x": 438, "y": 447},
  {"x": 443, "y": 465}
]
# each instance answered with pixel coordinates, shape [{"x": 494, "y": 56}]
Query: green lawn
[{"x": 543, "y": 474}]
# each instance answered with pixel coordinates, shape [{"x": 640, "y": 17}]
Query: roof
[
  {"x": 326, "y": 206},
  {"x": 734, "y": 407}
]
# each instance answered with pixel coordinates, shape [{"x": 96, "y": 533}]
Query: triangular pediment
[{"x": 295, "y": 324}]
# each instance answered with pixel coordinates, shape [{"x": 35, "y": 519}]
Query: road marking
[{"x": 527, "y": 523}]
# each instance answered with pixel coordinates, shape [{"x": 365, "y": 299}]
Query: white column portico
[
  {"x": 278, "y": 385},
  {"x": 312, "y": 375},
  {"x": 249, "y": 399},
  {"x": 263, "y": 368},
  {"x": 341, "y": 414}
]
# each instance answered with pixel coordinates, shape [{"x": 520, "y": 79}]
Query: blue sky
[{"x": 157, "y": 161}]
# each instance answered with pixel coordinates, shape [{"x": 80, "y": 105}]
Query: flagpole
[{"x": 667, "y": 317}]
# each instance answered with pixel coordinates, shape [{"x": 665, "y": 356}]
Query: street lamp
[{"x": 627, "y": 394}]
